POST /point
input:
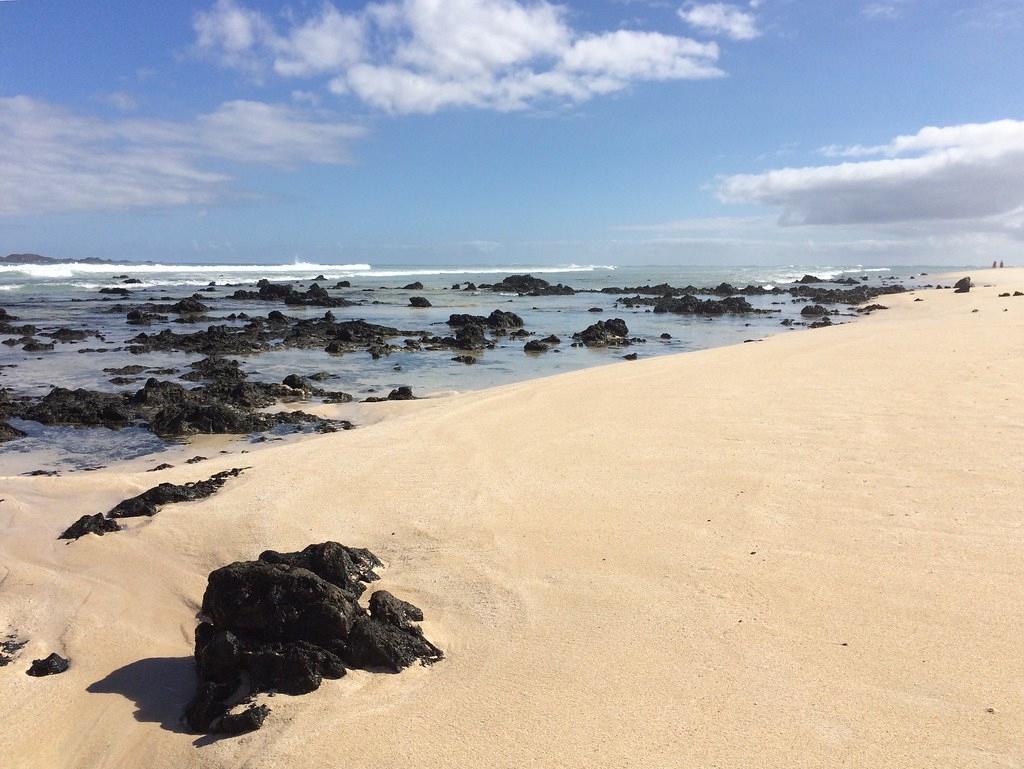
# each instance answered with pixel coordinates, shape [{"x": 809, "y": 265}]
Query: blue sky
[{"x": 496, "y": 131}]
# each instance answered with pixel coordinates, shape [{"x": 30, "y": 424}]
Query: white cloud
[
  {"x": 425, "y": 55},
  {"x": 721, "y": 19},
  {"x": 972, "y": 173},
  {"x": 54, "y": 160},
  {"x": 322, "y": 44}
]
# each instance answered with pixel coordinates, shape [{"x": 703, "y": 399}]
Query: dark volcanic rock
[
  {"x": 535, "y": 345},
  {"x": 34, "y": 346},
  {"x": 65, "y": 335},
  {"x": 9, "y": 432},
  {"x": 314, "y": 296},
  {"x": 530, "y": 286},
  {"x": 89, "y": 524},
  {"x": 605, "y": 332},
  {"x": 286, "y": 622},
  {"x": 691, "y": 305},
  {"x": 403, "y": 393},
  {"x": 387, "y": 639},
  {"x": 149, "y": 502},
  {"x": 855, "y": 295},
  {"x": 9, "y": 648},
  {"x": 345, "y": 567},
  {"x": 962, "y": 286},
  {"x": 419, "y": 301},
  {"x": 49, "y": 666},
  {"x": 417, "y": 286},
  {"x": 470, "y": 337},
  {"x": 80, "y": 407},
  {"x": 278, "y": 602},
  {"x": 498, "y": 320},
  {"x": 189, "y": 306},
  {"x": 812, "y": 310}
]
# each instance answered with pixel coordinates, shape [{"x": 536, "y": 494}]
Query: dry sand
[{"x": 805, "y": 552}]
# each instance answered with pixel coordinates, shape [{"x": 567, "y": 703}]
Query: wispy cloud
[
  {"x": 731, "y": 21},
  {"x": 884, "y": 11},
  {"x": 421, "y": 56},
  {"x": 53, "y": 160}
]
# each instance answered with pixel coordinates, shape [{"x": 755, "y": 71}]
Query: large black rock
[
  {"x": 278, "y": 602},
  {"x": 287, "y": 621},
  {"x": 528, "y": 284}
]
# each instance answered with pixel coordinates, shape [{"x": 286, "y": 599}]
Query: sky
[{"x": 514, "y": 132}]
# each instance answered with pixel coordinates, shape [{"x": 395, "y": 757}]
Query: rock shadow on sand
[{"x": 160, "y": 687}]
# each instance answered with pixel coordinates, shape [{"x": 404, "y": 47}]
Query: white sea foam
[
  {"x": 73, "y": 269},
  {"x": 825, "y": 273},
  {"x": 293, "y": 271}
]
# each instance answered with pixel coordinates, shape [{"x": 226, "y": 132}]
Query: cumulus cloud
[
  {"x": 959, "y": 173},
  {"x": 54, "y": 160},
  {"x": 420, "y": 56},
  {"x": 722, "y": 19}
]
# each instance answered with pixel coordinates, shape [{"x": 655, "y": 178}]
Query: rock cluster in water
[
  {"x": 604, "y": 333},
  {"x": 227, "y": 404},
  {"x": 285, "y": 622},
  {"x": 528, "y": 285}
]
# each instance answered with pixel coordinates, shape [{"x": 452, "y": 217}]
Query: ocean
[{"x": 68, "y": 295}]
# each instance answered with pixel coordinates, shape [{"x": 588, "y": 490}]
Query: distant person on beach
[
  {"x": 993, "y": 264},
  {"x": 1000, "y": 264}
]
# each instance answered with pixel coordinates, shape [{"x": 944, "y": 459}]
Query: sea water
[{"x": 67, "y": 295}]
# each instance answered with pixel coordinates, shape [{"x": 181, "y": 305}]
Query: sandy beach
[{"x": 801, "y": 552}]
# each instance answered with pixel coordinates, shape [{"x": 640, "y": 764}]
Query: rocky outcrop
[
  {"x": 691, "y": 305},
  {"x": 498, "y": 320},
  {"x": 813, "y": 310},
  {"x": 314, "y": 296},
  {"x": 419, "y": 301},
  {"x": 962, "y": 286},
  {"x": 90, "y": 524},
  {"x": 287, "y": 621},
  {"x": 611, "y": 332},
  {"x": 402, "y": 393},
  {"x": 81, "y": 407},
  {"x": 527, "y": 285},
  {"x": 149, "y": 502}
]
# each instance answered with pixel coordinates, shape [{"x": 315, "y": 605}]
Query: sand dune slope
[{"x": 804, "y": 552}]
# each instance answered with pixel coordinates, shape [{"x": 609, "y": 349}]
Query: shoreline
[{"x": 654, "y": 563}]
